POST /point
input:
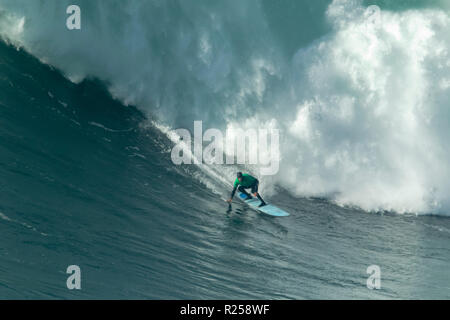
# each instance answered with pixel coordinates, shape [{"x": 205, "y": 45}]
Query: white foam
[{"x": 4, "y": 217}]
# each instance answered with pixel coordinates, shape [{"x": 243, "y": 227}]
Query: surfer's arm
[{"x": 233, "y": 192}]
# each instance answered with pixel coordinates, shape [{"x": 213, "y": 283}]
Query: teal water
[
  {"x": 86, "y": 178},
  {"x": 75, "y": 193}
]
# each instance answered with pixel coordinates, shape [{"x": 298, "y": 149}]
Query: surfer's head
[{"x": 239, "y": 176}]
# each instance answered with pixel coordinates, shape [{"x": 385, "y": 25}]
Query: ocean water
[{"x": 86, "y": 176}]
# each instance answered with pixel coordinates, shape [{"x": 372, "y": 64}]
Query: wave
[{"x": 362, "y": 107}]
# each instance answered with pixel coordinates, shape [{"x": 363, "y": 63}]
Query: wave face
[
  {"x": 88, "y": 180},
  {"x": 362, "y": 103}
]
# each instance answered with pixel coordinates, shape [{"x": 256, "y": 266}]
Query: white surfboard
[{"x": 269, "y": 209}]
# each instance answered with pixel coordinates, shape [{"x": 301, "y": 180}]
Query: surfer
[{"x": 246, "y": 181}]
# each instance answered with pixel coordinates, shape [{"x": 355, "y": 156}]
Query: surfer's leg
[
  {"x": 242, "y": 189},
  {"x": 255, "y": 190}
]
